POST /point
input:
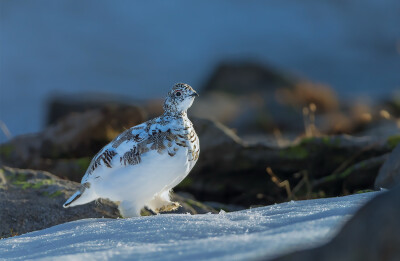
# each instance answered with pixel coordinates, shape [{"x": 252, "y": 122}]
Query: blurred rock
[
  {"x": 233, "y": 172},
  {"x": 153, "y": 107},
  {"x": 66, "y": 147},
  {"x": 303, "y": 93},
  {"x": 241, "y": 95},
  {"x": 357, "y": 177},
  {"x": 372, "y": 234},
  {"x": 245, "y": 78},
  {"x": 219, "y": 106},
  {"x": 77, "y": 130},
  {"x": 190, "y": 205},
  {"x": 32, "y": 200},
  {"x": 374, "y": 118},
  {"x": 382, "y": 128},
  {"x": 389, "y": 173},
  {"x": 335, "y": 123},
  {"x": 214, "y": 134},
  {"x": 255, "y": 99},
  {"x": 229, "y": 170},
  {"x": 60, "y": 106},
  {"x": 393, "y": 105}
]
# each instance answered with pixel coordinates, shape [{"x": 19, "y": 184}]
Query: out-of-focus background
[
  {"x": 298, "y": 99},
  {"x": 138, "y": 49}
]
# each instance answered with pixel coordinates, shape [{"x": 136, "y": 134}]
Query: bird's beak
[{"x": 194, "y": 94}]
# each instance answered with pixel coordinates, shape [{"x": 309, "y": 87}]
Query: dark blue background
[{"x": 140, "y": 48}]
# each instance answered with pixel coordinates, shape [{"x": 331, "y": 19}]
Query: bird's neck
[{"x": 175, "y": 114}]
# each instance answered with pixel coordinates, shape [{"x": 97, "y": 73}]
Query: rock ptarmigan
[{"x": 141, "y": 166}]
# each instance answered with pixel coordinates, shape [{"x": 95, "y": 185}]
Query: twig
[
  {"x": 282, "y": 184},
  {"x": 303, "y": 181}
]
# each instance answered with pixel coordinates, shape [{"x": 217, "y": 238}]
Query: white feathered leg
[
  {"x": 162, "y": 202},
  {"x": 129, "y": 209}
]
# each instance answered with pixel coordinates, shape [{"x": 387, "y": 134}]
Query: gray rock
[
  {"x": 389, "y": 173},
  {"x": 62, "y": 105},
  {"x": 228, "y": 171},
  {"x": 66, "y": 147},
  {"x": 190, "y": 205},
  {"x": 372, "y": 234},
  {"x": 214, "y": 134},
  {"x": 239, "y": 78},
  {"x": 233, "y": 172},
  {"x": 32, "y": 200},
  {"x": 254, "y": 98}
]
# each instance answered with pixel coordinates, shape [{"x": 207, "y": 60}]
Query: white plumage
[{"x": 142, "y": 165}]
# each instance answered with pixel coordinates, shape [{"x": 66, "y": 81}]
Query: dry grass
[{"x": 309, "y": 120}]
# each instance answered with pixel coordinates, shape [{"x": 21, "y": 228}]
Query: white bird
[{"x": 141, "y": 166}]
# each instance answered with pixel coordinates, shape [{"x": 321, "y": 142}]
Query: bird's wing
[
  {"x": 107, "y": 155},
  {"x": 128, "y": 148}
]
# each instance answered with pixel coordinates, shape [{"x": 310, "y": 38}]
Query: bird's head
[{"x": 179, "y": 99}]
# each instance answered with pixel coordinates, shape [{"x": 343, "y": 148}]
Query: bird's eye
[{"x": 178, "y": 94}]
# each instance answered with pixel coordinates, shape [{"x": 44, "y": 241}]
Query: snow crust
[{"x": 260, "y": 232}]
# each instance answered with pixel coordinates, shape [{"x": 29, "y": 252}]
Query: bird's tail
[{"x": 82, "y": 196}]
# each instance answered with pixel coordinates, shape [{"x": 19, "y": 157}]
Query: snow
[{"x": 260, "y": 232}]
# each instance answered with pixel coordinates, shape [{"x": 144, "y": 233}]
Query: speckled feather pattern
[{"x": 170, "y": 136}]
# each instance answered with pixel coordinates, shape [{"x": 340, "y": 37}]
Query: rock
[
  {"x": 372, "y": 234},
  {"x": 61, "y": 106},
  {"x": 190, "y": 205},
  {"x": 270, "y": 105},
  {"x": 246, "y": 79},
  {"x": 252, "y": 98},
  {"x": 229, "y": 171},
  {"x": 220, "y": 106},
  {"x": 383, "y": 128},
  {"x": 67, "y": 147},
  {"x": 303, "y": 93},
  {"x": 82, "y": 134},
  {"x": 32, "y": 200},
  {"x": 242, "y": 96},
  {"x": 393, "y": 105},
  {"x": 214, "y": 134},
  {"x": 233, "y": 172},
  {"x": 389, "y": 173},
  {"x": 240, "y": 78},
  {"x": 357, "y": 177}
]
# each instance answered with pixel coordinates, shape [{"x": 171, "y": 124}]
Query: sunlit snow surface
[{"x": 266, "y": 231}]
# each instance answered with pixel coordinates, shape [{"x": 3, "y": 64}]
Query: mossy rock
[
  {"x": 393, "y": 141},
  {"x": 295, "y": 152},
  {"x": 38, "y": 196},
  {"x": 6, "y": 151}
]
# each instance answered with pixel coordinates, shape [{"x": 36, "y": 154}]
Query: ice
[{"x": 242, "y": 235}]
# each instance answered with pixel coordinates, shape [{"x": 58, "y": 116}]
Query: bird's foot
[{"x": 168, "y": 208}]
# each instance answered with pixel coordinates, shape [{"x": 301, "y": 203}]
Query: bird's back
[
  {"x": 145, "y": 161},
  {"x": 158, "y": 153}
]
